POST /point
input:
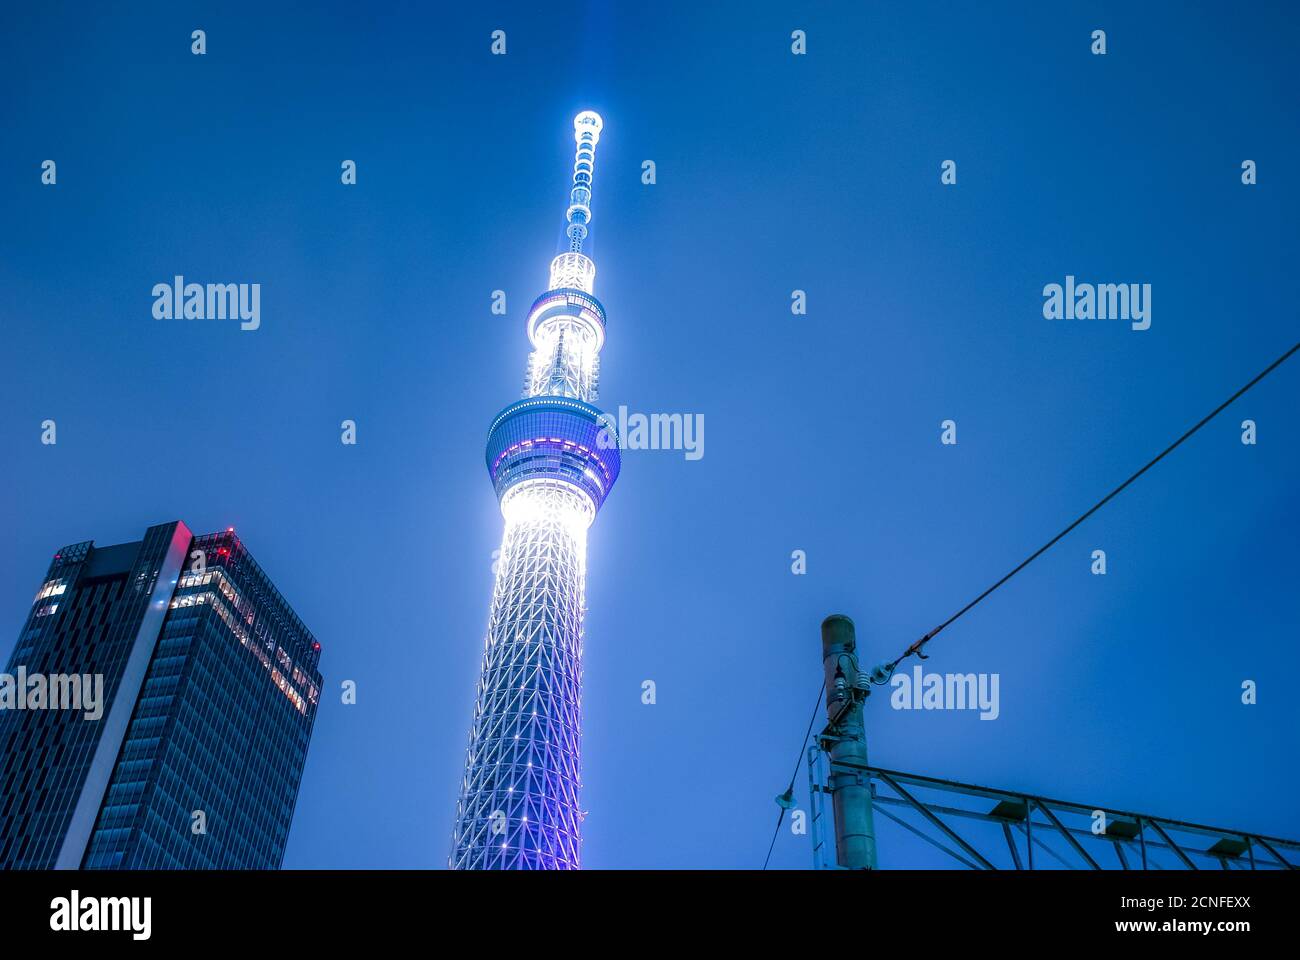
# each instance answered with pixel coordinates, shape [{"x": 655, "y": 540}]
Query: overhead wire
[{"x": 916, "y": 647}]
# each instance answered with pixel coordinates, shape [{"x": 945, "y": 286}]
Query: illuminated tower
[{"x": 553, "y": 459}]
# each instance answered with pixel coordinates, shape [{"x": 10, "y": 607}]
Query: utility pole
[{"x": 845, "y": 742}]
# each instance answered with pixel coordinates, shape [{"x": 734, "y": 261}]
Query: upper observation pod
[
  {"x": 567, "y": 310},
  {"x": 586, "y": 134}
]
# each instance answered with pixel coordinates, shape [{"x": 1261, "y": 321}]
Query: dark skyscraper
[{"x": 209, "y": 694}]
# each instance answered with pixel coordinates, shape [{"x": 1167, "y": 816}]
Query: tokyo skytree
[{"x": 553, "y": 459}]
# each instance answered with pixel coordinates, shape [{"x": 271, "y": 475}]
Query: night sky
[{"x": 775, "y": 173}]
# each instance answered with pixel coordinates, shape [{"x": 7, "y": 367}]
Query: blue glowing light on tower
[{"x": 553, "y": 460}]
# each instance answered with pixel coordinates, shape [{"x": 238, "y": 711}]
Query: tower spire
[{"x": 586, "y": 134}]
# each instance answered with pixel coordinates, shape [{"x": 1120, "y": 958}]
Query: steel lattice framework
[
  {"x": 989, "y": 829},
  {"x": 553, "y": 461}
]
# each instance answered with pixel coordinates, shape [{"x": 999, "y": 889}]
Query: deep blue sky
[{"x": 774, "y": 173}]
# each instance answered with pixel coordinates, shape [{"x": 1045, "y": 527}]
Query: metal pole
[{"x": 845, "y": 741}]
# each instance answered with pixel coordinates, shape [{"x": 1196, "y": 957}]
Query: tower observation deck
[{"x": 553, "y": 460}]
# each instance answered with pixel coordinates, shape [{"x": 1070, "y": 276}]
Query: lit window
[{"x": 51, "y": 588}]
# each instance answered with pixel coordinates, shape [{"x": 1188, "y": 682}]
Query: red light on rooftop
[
  {"x": 222, "y": 552},
  {"x": 316, "y": 645}
]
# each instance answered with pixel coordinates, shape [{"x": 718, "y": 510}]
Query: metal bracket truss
[{"x": 944, "y": 813}]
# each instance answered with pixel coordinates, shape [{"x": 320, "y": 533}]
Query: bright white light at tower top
[{"x": 588, "y": 120}]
